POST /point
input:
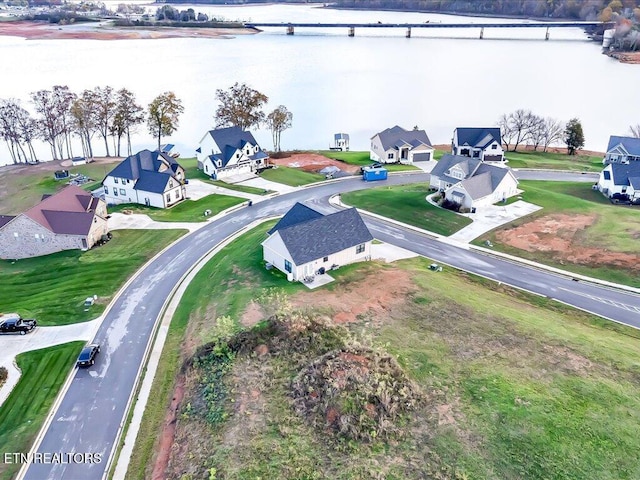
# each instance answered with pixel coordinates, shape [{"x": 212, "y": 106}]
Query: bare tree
[
  {"x": 508, "y": 134},
  {"x": 50, "y": 127},
  {"x": 635, "y": 130},
  {"x": 535, "y": 131},
  {"x": 516, "y": 127},
  {"x": 163, "y": 114},
  {"x": 240, "y": 105},
  {"x": 105, "y": 109},
  {"x": 553, "y": 132},
  {"x": 84, "y": 116},
  {"x": 63, "y": 98},
  {"x": 9, "y": 130},
  {"x": 278, "y": 121},
  {"x": 127, "y": 115}
]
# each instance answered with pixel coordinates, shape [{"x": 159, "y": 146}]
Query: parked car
[
  {"x": 14, "y": 323},
  {"x": 88, "y": 354}
]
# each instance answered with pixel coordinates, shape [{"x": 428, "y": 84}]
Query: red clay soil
[
  {"x": 312, "y": 162},
  {"x": 168, "y": 433},
  {"x": 103, "y": 31},
  {"x": 559, "y": 235}
]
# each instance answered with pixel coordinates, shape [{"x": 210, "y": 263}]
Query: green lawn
[
  {"x": 293, "y": 177},
  {"x": 406, "y": 203},
  {"x": 191, "y": 171},
  {"x": 615, "y": 228},
  {"x": 186, "y": 211},
  {"x": 22, "y": 414},
  {"x": 363, "y": 158},
  {"x": 53, "y": 288},
  {"x": 554, "y": 161}
]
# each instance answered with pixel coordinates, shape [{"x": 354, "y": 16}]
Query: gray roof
[
  {"x": 323, "y": 236},
  {"x": 4, "y": 219},
  {"x": 297, "y": 214},
  {"x": 447, "y": 161},
  {"x": 397, "y": 136},
  {"x": 635, "y": 182},
  {"x": 477, "y": 137},
  {"x": 484, "y": 181},
  {"x": 630, "y": 144},
  {"x": 623, "y": 171}
]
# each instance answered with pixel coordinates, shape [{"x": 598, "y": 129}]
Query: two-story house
[
  {"x": 622, "y": 150},
  {"x": 230, "y": 151},
  {"x": 397, "y": 145},
  {"x": 482, "y": 143},
  {"x": 149, "y": 178}
]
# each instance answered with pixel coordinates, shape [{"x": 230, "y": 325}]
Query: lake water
[{"x": 437, "y": 80}]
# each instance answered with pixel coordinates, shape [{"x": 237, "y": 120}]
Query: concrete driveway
[
  {"x": 488, "y": 218},
  {"x": 41, "y": 337},
  {"x": 197, "y": 189},
  {"x": 268, "y": 185}
]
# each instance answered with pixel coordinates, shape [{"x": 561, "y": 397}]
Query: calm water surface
[{"x": 437, "y": 80}]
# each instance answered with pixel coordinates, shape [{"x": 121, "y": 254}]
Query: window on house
[
  {"x": 360, "y": 248},
  {"x": 115, "y": 180},
  {"x": 170, "y": 183},
  {"x": 287, "y": 266},
  {"x": 494, "y": 147},
  {"x": 476, "y": 154},
  {"x": 122, "y": 191},
  {"x": 169, "y": 197},
  {"x": 37, "y": 236},
  {"x": 115, "y": 192},
  {"x": 325, "y": 259},
  {"x": 390, "y": 156},
  {"x": 15, "y": 234},
  {"x": 237, "y": 155},
  {"x": 106, "y": 190}
]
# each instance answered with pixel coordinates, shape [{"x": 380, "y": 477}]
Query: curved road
[{"x": 92, "y": 412}]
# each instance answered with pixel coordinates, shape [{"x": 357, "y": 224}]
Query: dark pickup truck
[{"x": 13, "y": 323}]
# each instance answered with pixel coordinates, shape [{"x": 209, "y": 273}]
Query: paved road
[{"x": 92, "y": 411}]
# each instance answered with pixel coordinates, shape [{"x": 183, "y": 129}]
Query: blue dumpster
[{"x": 371, "y": 174}]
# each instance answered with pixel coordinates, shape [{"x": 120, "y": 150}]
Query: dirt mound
[
  {"x": 313, "y": 162},
  {"x": 356, "y": 393},
  {"x": 560, "y": 236}
]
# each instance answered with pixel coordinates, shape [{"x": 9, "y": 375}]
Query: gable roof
[
  {"x": 630, "y": 144},
  {"x": 484, "y": 181},
  {"x": 154, "y": 182},
  {"x": 396, "y": 137},
  {"x": 323, "y": 236},
  {"x": 467, "y": 164},
  {"x": 70, "y": 211},
  {"x": 229, "y": 140},
  {"x": 621, "y": 172},
  {"x": 478, "y": 137},
  {"x": 134, "y": 166},
  {"x": 297, "y": 214}
]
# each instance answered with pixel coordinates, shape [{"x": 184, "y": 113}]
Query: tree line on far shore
[{"x": 114, "y": 115}]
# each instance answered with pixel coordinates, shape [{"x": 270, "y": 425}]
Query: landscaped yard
[
  {"x": 512, "y": 385},
  {"x": 554, "y": 161},
  {"x": 53, "y": 288},
  {"x": 578, "y": 230},
  {"x": 186, "y": 211},
  {"x": 291, "y": 176},
  {"x": 22, "y": 414},
  {"x": 407, "y": 204},
  {"x": 190, "y": 166},
  {"x": 363, "y": 159}
]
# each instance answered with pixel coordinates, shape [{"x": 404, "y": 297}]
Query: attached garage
[{"x": 422, "y": 157}]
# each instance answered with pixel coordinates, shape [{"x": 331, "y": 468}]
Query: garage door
[{"x": 422, "y": 157}]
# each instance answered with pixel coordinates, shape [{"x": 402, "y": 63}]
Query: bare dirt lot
[
  {"x": 312, "y": 162},
  {"x": 559, "y": 235}
]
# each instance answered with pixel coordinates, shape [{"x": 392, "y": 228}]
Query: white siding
[{"x": 376, "y": 153}]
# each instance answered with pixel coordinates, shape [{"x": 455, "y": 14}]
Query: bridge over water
[{"x": 351, "y": 27}]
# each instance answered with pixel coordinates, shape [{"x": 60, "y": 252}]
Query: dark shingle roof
[
  {"x": 4, "y": 219},
  {"x": 69, "y": 223},
  {"x": 297, "y": 214},
  {"x": 230, "y": 139},
  {"x": 631, "y": 144},
  {"x": 447, "y": 161},
  {"x": 131, "y": 167},
  {"x": 475, "y": 137},
  {"x": 622, "y": 171},
  {"x": 154, "y": 182},
  {"x": 394, "y": 136},
  {"x": 323, "y": 236}
]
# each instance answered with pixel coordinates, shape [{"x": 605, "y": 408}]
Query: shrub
[
  {"x": 3, "y": 375},
  {"x": 449, "y": 205}
]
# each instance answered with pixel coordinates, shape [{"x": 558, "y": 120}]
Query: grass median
[
  {"x": 364, "y": 158},
  {"x": 407, "y": 204},
  {"x": 294, "y": 177},
  {"x": 53, "y": 288},
  {"x": 23, "y": 413}
]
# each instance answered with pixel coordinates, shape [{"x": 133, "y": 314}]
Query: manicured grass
[
  {"x": 554, "y": 161},
  {"x": 22, "y": 414},
  {"x": 291, "y": 176},
  {"x": 53, "y": 288},
  {"x": 191, "y": 171},
  {"x": 186, "y": 211},
  {"x": 242, "y": 258},
  {"x": 363, "y": 158},
  {"x": 406, "y": 203},
  {"x": 615, "y": 229}
]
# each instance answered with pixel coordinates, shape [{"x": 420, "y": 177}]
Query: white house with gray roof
[
  {"x": 622, "y": 150},
  {"x": 472, "y": 183},
  {"x": 149, "y": 178},
  {"x": 228, "y": 152},
  {"x": 397, "y": 145},
  {"x": 482, "y": 143},
  {"x": 620, "y": 179},
  {"x": 306, "y": 242}
]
